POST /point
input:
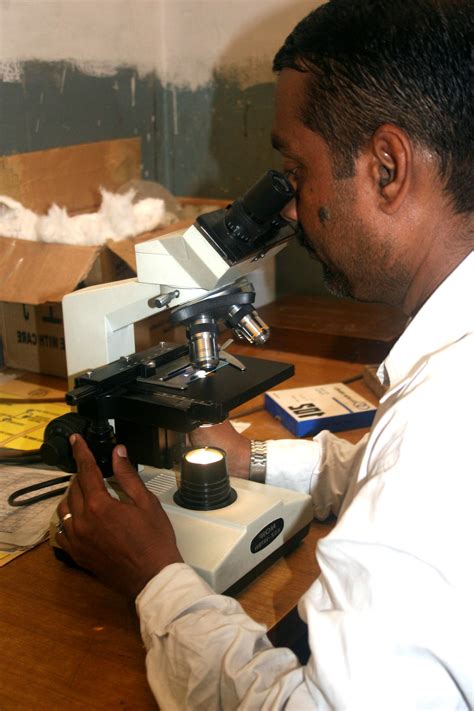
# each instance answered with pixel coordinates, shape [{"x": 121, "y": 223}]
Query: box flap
[
  {"x": 36, "y": 272},
  {"x": 69, "y": 176}
]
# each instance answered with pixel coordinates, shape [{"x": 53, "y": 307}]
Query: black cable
[
  {"x": 12, "y": 499},
  {"x": 30, "y": 401},
  {"x": 19, "y": 456},
  {"x": 21, "y": 460}
]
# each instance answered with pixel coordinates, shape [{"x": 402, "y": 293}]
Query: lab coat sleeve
[
  {"x": 205, "y": 652},
  {"x": 322, "y": 468},
  {"x": 181, "y": 616},
  {"x": 377, "y": 640}
]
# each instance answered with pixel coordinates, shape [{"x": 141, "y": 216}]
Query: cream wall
[
  {"x": 184, "y": 41},
  {"x": 192, "y": 78}
]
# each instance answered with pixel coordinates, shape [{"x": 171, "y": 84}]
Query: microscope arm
[
  {"x": 221, "y": 247},
  {"x": 99, "y": 320}
]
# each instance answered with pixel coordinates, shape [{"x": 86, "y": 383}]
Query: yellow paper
[
  {"x": 7, "y": 557},
  {"x": 22, "y": 425},
  {"x": 18, "y": 388}
]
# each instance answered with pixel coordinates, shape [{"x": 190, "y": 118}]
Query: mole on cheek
[{"x": 324, "y": 214}]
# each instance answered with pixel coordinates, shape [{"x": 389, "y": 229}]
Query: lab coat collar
[{"x": 445, "y": 317}]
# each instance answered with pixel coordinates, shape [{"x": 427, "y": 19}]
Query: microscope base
[
  {"x": 237, "y": 587},
  {"x": 253, "y": 574},
  {"x": 228, "y": 547}
]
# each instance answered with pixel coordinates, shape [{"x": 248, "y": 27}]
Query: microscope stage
[{"x": 230, "y": 546}]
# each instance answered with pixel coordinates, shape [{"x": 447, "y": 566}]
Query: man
[{"x": 374, "y": 120}]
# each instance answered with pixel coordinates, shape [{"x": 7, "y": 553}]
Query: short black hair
[{"x": 406, "y": 62}]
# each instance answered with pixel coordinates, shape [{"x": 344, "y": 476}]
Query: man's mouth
[{"x": 306, "y": 243}]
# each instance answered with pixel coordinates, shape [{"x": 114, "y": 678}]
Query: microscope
[{"x": 227, "y": 529}]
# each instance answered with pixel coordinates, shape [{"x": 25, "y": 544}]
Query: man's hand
[
  {"x": 124, "y": 544},
  {"x": 236, "y": 446}
]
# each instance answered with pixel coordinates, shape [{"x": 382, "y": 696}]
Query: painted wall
[{"x": 192, "y": 78}]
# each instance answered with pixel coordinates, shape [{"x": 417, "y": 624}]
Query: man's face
[{"x": 338, "y": 228}]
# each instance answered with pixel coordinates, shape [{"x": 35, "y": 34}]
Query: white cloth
[{"x": 390, "y": 619}]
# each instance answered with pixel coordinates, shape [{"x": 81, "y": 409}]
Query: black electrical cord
[
  {"x": 13, "y": 498},
  {"x": 28, "y": 457}
]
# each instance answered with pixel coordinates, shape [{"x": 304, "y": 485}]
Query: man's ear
[{"x": 391, "y": 166}]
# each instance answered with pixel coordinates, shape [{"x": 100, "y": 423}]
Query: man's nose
[{"x": 290, "y": 212}]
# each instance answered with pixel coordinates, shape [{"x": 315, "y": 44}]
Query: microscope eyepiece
[
  {"x": 258, "y": 212},
  {"x": 266, "y": 199},
  {"x": 252, "y": 224}
]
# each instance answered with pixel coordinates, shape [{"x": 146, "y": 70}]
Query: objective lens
[
  {"x": 203, "y": 347},
  {"x": 248, "y": 326}
]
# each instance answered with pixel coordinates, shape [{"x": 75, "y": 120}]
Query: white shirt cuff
[
  {"x": 172, "y": 591},
  {"x": 292, "y": 463}
]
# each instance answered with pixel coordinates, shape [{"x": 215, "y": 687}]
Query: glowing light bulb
[
  {"x": 205, "y": 455},
  {"x": 203, "y": 483}
]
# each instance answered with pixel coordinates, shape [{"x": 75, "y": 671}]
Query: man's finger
[
  {"x": 65, "y": 544},
  {"x": 63, "y": 508},
  {"x": 89, "y": 476},
  {"x": 64, "y": 522},
  {"x": 74, "y": 497},
  {"x": 126, "y": 475}
]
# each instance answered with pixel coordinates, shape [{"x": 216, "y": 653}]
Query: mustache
[{"x": 305, "y": 242}]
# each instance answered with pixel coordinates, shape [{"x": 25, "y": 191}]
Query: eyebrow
[
  {"x": 284, "y": 147},
  {"x": 277, "y": 143}
]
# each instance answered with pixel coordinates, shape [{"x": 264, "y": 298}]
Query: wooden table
[{"x": 69, "y": 642}]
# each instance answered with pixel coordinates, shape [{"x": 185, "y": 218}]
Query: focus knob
[{"x": 56, "y": 452}]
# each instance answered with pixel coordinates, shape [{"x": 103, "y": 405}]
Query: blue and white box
[{"x": 307, "y": 411}]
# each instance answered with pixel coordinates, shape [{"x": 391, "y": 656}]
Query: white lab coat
[{"x": 391, "y": 617}]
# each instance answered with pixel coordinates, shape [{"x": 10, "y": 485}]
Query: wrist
[
  {"x": 238, "y": 458},
  {"x": 149, "y": 572}
]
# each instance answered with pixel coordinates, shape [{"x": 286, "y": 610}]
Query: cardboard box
[
  {"x": 33, "y": 337},
  {"x": 34, "y": 276}
]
